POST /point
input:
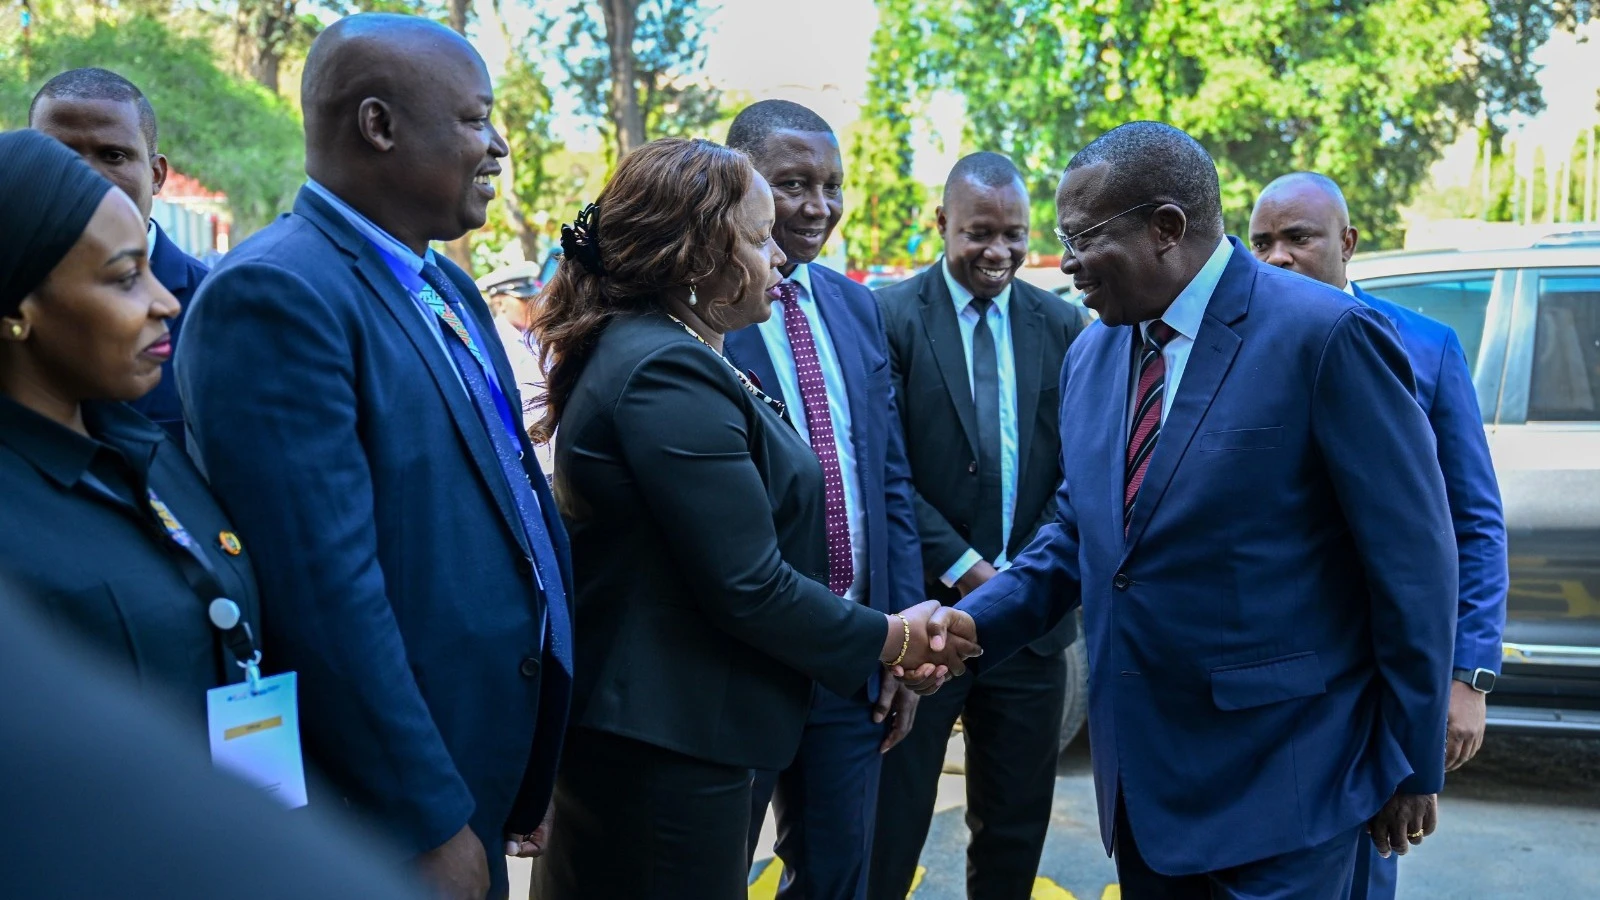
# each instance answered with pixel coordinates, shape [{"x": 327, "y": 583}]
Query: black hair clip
[{"x": 581, "y": 240}]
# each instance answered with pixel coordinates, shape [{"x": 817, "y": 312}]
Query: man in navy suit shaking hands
[
  {"x": 1302, "y": 223},
  {"x": 359, "y": 419},
  {"x": 1255, "y": 525}
]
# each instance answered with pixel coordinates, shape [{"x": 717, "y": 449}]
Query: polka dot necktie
[
  {"x": 819, "y": 424},
  {"x": 1147, "y": 413}
]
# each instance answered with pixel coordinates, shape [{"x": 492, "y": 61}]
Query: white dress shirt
[
  {"x": 999, "y": 321},
  {"x": 777, "y": 341},
  {"x": 1184, "y": 316}
]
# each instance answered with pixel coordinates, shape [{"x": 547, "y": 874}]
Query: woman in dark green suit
[{"x": 108, "y": 526}]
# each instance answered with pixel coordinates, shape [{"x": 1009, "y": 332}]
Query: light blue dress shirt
[
  {"x": 999, "y": 322},
  {"x": 1184, "y": 315},
  {"x": 391, "y": 245},
  {"x": 777, "y": 343}
]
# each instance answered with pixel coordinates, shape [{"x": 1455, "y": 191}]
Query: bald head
[
  {"x": 373, "y": 55},
  {"x": 1302, "y": 223},
  {"x": 397, "y": 115}
]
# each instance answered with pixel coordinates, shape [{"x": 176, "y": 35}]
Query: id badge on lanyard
[{"x": 254, "y": 727}]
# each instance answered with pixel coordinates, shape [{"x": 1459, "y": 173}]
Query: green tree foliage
[
  {"x": 887, "y": 208},
  {"x": 232, "y": 135},
  {"x": 1367, "y": 91},
  {"x": 522, "y": 106},
  {"x": 656, "y": 45}
]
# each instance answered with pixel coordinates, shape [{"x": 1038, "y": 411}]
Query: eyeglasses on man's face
[{"x": 1067, "y": 239}]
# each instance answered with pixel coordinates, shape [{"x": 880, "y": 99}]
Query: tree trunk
[
  {"x": 262, "y": 30},
  {"x": 458, "y": 16},
  {"x": 627, "y": 119}
]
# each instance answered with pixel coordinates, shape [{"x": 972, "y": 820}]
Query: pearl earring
[
  {"x": 692, "y": 298},
  {"x": 16, "y": 330}
]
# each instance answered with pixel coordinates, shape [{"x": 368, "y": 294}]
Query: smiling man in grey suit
[{"x": 976, "y": 355}]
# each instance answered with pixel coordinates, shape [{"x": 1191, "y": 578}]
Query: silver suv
[{"x": 1529, "y": 320}]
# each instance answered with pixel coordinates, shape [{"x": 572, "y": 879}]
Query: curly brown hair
[{"x": 664, "y": 223}]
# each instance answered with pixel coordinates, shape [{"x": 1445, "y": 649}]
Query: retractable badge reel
[
  {"x": 228, "y": 618},
  {"x": 255, "y": 728}
]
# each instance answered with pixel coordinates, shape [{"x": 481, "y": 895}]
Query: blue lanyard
[{"x": 410, "y": 280}]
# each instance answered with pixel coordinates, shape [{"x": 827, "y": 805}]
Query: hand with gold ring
[{"x": 1405, "y": 820}]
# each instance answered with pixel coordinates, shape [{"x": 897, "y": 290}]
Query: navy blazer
[
  {"x": 394, "y": 576},
  {"x": 1445, "y": 391},
  {"x": 855, "y": 325},
  {"x": 180, "y": 274},
  {"x": 1269, "y": 644}
]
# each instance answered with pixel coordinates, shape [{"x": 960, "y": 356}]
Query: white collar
[
  {"x": 963, "y": 297},
  {"x": 1189, "y": 309}
]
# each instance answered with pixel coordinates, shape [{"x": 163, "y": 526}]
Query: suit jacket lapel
[
  {"x": 167, "y": 264},
  {"x": 1027, "y": 325},
  {"x": 1115, "y": 419},
  {"x": 943, "y": 331},
  {"x": 396, "y": 300},
  {"x": 847, "y": 347},
  {"x": 1209, "y": 360},
  {"x": 747, "y": 350}
]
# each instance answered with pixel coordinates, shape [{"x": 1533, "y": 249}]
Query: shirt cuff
[{"x": 962, "y": 566}]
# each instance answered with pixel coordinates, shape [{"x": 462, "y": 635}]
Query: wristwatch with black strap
[{"x": 1480, "y": 680}]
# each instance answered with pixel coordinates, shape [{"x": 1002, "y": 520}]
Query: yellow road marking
[
  {"x": 766, "y": 886},
  {"x": 1045, "y": 889}
]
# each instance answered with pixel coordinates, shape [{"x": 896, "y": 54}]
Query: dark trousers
[
  {"x": 637, "y": 821},
  {"x": 825, "y": 801},
  {"x": 1375, "y": 878},
  {"x": 1315, "y": 873},
  {"x": 1011, "y": 720}
]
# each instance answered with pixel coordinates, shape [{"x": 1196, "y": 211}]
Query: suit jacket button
[
  {"x": 1121, "y": 582},
  {"x": 529, "y": 667},
  {"x": 972, "y": 468},
  {"x": 524, "y": 566}
]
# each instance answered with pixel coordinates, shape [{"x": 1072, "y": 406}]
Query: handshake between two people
[{"x": 928, "y": 644}]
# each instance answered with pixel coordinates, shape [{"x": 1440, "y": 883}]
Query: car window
[
  {"x": 1458, "y": 299},
  {"x": 1566, "y": 349}
]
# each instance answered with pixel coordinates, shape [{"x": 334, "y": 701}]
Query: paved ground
[{"x": 1520, "y": 821}]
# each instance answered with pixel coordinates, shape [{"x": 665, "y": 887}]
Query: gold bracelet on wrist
[{"x": 905, "y": 643}]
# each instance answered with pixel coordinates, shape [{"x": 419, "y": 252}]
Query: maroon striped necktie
[
  {"x": 1146, "y": 413},
  {"x": 819, "y": 424}
]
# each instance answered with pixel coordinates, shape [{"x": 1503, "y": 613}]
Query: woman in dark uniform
[
  {"x": 696, "y": 514},
  {"x": 107, "y": 524}
]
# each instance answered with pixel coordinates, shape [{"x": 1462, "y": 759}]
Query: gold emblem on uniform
[{"x": 230, "y": 543}]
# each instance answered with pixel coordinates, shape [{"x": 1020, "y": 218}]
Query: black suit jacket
[
  {"x": 699, "y": 555},
  {"x": 929, "y": 363},
  {"x": 180, "y": 274},
  {"x": 82, "y": 541}
]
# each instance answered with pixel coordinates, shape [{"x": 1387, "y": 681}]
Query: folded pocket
[
  {"x": 1242, "y": 439},
  {"x": 1270, "y": 681}
]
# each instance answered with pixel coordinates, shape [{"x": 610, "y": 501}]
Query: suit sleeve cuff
[
  {"x": 1471, "y": 658},
  {"x": 962, "y": 567}
]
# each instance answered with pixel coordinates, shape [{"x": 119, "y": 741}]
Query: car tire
[{"x": 1075, "y": 703}]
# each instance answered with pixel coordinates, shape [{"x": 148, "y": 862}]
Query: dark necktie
[
  {"x": 819, "y": 425},
  {"x": 445, "y": 300},
  {"x": 1146, "y": 413},
  {"x": 987, "y": 527}
]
